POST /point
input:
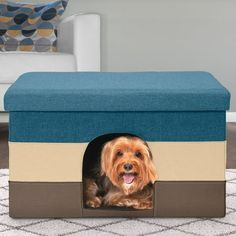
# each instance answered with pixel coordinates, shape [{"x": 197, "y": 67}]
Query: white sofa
[{"x": 78, "y": 50}]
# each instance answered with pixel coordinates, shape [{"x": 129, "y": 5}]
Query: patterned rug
[{"x": 121, "y": 226}]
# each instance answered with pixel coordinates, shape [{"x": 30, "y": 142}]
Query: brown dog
[{"x": 126, "y": 175}]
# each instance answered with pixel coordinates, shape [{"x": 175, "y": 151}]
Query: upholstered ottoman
[{"x": 56, "y": 117}]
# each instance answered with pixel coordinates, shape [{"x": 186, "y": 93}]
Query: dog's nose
[{"x": 128, "y": 167}]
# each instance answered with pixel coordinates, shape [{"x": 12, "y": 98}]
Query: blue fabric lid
[{"x": 114, "y": 91}]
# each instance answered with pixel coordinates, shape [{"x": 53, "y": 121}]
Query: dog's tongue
[{"x": 128, "y": 178}]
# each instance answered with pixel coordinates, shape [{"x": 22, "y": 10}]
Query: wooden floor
[
  {"x": 231, "y": 148},
  {"x": 4, "y": 163}
]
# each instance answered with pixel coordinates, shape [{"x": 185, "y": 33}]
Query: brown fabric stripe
[
  {"x": 171, "y": 199},
  {"x": 190, "y": 199},
  {"x": 43, "y": 200},
  {"x": 116, "y": 212}
]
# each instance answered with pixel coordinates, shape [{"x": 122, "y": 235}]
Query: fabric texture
[
  {"x": 64, "y": 200},
  {"x": 29, "y": 27},
  {"x": 121, "y": 226},
  {"x": 110, "y": 91},
  {"x": 174, "y": 161},
  {"x": 75, "y": 127}
]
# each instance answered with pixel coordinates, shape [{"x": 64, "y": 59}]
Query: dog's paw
[
  {"x": 143, "y": 206},
  {"x": 94, "y": 203}
]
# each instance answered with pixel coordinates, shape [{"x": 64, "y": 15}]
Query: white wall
[{"x": 167, "y": 35}]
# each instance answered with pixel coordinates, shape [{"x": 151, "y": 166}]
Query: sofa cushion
[
  {"x": 29, "y": 27},
  {"x": 13, "y": 64},
  {"x": 3, "y": 89}
]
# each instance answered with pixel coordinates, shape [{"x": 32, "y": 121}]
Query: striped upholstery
[{"x": 53, "y": 120}]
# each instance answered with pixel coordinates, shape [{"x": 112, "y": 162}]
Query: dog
[{"x": 126, "y": 175}]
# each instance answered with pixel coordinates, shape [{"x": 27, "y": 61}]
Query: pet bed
[{"x": 54, "y": 116}]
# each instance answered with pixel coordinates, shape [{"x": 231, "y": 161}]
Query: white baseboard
[
  {"x": 230, "y": 117},
  {"x": 4, "y": 117}
]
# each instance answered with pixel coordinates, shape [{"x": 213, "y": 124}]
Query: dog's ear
[
  {"x": 152, "y": 173},
  {"x": 151, "y": 169},
  {"x": 106, "y": 159}
]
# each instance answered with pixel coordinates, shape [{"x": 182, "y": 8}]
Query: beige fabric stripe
[
  {"x": 62, "y": 162},
  {"x": 190, "y": 161},
  {"x": 46, "y": 162}
]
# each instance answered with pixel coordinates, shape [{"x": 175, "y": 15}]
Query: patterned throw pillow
[{"x": 30, "y": 27}]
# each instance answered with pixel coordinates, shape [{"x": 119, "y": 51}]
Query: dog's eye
[
  {"x": 119, "y": 154},
  {"x": 138, "y": 154}
]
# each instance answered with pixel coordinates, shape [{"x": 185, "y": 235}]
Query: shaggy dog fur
[{"x": 124, "y": 177}]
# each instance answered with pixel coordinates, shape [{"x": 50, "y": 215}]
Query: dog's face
[{"x": 127, "y": 162}]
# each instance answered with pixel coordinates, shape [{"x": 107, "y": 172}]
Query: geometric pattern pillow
[{"x": 30, "y": 27}]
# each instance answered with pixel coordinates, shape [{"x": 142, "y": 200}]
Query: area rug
[{"x": 120, "y": 226}]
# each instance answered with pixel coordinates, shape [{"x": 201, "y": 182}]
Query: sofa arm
[{"x": 80, "y": 35}]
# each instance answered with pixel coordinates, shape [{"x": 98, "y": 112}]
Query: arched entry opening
[{"x": 94, "y": 181}]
